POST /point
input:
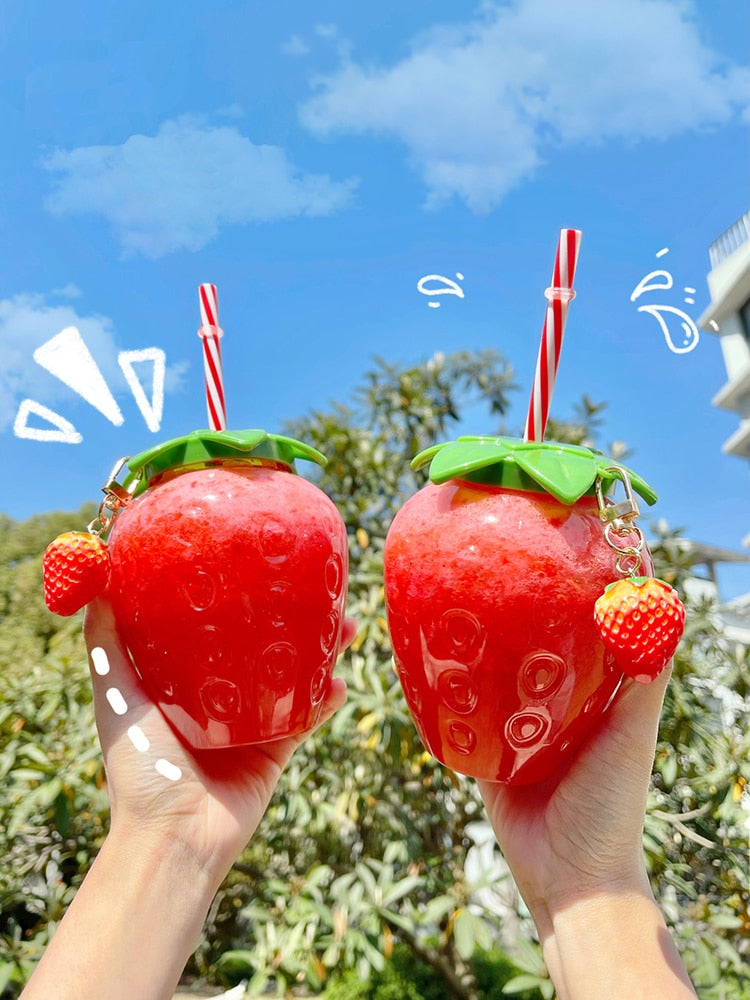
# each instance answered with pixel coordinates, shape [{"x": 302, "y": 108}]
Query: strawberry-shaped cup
[
  {"x": 228, "y": 578},
  {"x": 492, "y": 572}
]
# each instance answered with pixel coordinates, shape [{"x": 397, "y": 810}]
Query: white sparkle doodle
[
  {"x": 116, "y": 701},
  {"x": 659, "y": 280},
  {"x": 67, "y": 358},
  {"x": 119, "y": 706},
  {"x": 651, "y": 284},
  {"x": 449, "y": 287},
  {"x": 100, "y": 660},
  {"x": 139, "y": 739},
  {"x": 59, "y": 428},
  {"x": 167, "y": 770},
  {"x": 151, "y": 411}
]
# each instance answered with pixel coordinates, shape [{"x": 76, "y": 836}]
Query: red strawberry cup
[
  {"x": 228, "y": 579},
  {"x": 492, "y": 573}
]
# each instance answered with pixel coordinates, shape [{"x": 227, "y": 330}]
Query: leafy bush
[
  {"x": 405, "y": 977},
  {"x": 360, "y": 863},
  {"x": 53, "y": 806}
]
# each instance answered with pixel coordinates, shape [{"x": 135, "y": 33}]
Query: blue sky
[{"x": 315, "y": 161}]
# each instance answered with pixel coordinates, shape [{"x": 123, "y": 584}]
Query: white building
[{"x": 728, "y": 316}]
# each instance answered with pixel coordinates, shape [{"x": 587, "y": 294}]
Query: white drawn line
[
  {"x": 152, "y": 411},
  {"x": 67, "y": 357},
  {"x": 117, "y": 703},
  {"x": 138, "y": 738},
  {"x": 135, "y": 734},
  {"x": 100, "y": 661},
  {"x": 167, "y": 770},
  {"x": 60, "y": 430}
]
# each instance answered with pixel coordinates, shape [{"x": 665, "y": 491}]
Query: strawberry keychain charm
[
  {"x": 76, "y": 566},
  {"x": 640, "y": 618},
  {"x": 75, "y": 570}
]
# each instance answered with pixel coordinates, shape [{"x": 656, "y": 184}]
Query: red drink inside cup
[
  {"x": 228, "y": 582},
  {"x": 492, "y": 571}
]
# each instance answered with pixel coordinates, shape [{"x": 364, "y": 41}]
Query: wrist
[
  {"x": 180, "y": 841},
  {"x": 132, "y": 925},
  {"x": 141, "y": 852},
  {"x": 552, "y": 907},
  {"x": 613, "y": 943}
]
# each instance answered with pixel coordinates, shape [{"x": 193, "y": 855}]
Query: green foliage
[
  {"x": 52, "y": 803},
  {"x": 697, "y": 831},
  {"x": 26, "y": 627},
  {"x": 357, "y": 880},
  {"x": 406, "y": 977}
]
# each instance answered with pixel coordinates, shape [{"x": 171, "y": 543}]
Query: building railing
[{"x": 732, "y": 238}]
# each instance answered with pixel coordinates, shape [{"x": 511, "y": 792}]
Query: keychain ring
[{"x": 625, "y": 552}]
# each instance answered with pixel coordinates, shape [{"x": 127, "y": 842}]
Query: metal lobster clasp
[
  {"x": 115, "y": 498},
  {"x": 619, "y": 514}
]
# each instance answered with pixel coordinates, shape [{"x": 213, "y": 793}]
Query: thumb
[{"x": 636, "y": 712}]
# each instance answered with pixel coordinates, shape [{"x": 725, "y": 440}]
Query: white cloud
[
  {"x": 175, "y": 190},
  {"x": 295, "y": 46},
  {"x": 481, "y": 104},
  {"x": 29, "y": 320}
]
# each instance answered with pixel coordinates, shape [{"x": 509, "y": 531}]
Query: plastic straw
[
  {"x": 559, "y": 296},
  {"x": 211, "y": 333}
]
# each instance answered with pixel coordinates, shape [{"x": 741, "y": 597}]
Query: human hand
[
  {"x": 574, "y": 846},
  {"x": 211, "y": 800},
  {"x": 580, "y": 832},
  {"x": 179, "y": 820}
]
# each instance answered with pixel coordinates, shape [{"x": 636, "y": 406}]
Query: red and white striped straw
[
  {"x": 211, "y": 334},
  {"x": 558, "y": 296}
]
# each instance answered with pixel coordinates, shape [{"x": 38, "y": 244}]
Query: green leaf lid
[
  {"x": 201, "y": 448},
  {"x": 566, "y": 471}
]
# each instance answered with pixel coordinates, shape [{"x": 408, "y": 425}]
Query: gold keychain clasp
[
  {"x": 617, "y": 514},
  {"x": 619, "y": 519},
  {"x": 115, "y": 498}
]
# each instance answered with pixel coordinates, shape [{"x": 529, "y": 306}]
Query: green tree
[
  {"x": 366, "y": 846},
  {"x": 52, "y": 803},
  {"x": 699, "y": 816},
  {"x": 366, "y": 843},
  {"x": 361, "y": 860}
]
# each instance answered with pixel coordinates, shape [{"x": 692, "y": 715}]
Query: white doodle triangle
[
  {"x": 67, "y": 357},
  {"x": 152, "y": 410},
  {"x": 61, "y": 430}
]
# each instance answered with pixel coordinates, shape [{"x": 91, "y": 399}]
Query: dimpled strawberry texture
[
  {"x": 641, "y": 623},
  {"x": 229, "y": 590},
  {"x": 75, "y": 569},
  {"x": 490, "y": 597}
]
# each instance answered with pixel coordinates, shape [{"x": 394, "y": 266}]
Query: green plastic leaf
[
  {"x": 565, "y": 471},
  {"x": 567, "y": 476},
  {"x": 464, "y": 456},
  {"x": 207, "y": 446},
  {"x": 426, "y": 456},
  {"x": 642, "y": 488}
]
